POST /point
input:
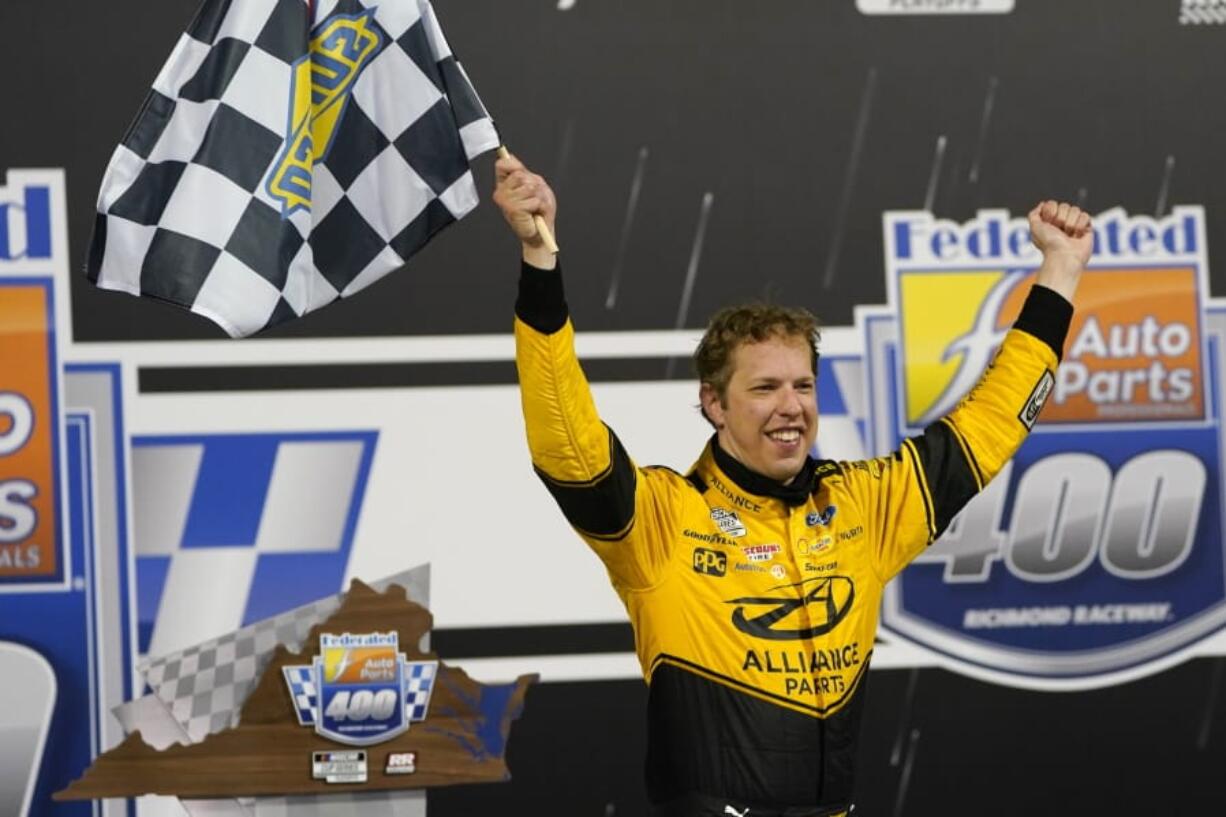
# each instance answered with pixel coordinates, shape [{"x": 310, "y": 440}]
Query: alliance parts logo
[{"x": 819, "y": 604}]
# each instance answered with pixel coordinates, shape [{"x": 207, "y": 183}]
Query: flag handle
[{"x": 542, "y": 229}]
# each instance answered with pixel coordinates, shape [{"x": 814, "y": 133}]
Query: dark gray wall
[{"x": 757, "y": 103}]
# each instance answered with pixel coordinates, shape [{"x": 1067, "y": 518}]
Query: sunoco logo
[{"x": 1120, "y": 522}]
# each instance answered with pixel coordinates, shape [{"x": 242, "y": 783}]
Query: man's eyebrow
[{"x": 772, "y": 379}]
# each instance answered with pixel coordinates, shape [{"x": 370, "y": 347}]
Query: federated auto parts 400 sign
[{"x": 1098, "y": 551}]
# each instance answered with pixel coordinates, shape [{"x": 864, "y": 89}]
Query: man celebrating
[{"x": 753, "y": 582}]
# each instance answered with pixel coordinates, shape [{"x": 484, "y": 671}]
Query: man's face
[{"x": 768, "y": 417}]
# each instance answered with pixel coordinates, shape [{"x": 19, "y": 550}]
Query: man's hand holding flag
[{"x": 289, "y": 154}]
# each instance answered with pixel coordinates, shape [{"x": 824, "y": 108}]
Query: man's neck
[{"x": 793, "y": 492}]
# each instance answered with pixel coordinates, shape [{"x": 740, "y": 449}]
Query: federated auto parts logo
[
  {"x": 360, "y": 690},
  {"x": 33, "y": 536},
  {"x": 1098, "y": 551}
]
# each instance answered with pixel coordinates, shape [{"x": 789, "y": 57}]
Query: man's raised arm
[{"x": 606, "y": 499}]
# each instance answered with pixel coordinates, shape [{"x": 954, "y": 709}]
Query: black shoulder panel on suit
[{"x": 602, "y": 506}]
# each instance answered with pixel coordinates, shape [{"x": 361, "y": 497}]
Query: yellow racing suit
[{"x": 754, "y": 604}]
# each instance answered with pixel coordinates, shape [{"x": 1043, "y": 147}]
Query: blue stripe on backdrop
[
  {"x": 150, "y": 579},
  {"x": 283, "y": 581},
  {"x": 229, "y": 502},
  {"x": 829, "y": 393},
  {"x": 231, "y": 486}
]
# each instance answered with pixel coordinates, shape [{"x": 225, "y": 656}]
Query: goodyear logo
[
  {"x": 1134, "y": 350},
  {"x": 322, "y": 81}
]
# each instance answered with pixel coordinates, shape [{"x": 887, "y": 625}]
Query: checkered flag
[
  {"x": 284, "y": 160},
  {"x": 418, "y": 684},
  {"x": 1203, "y": 12},
  {"x": 301, "y": 683}
]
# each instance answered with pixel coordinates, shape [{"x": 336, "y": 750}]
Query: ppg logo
[
  {"x": 25, "y": 226},
  {"x": 710, "y": 562}
]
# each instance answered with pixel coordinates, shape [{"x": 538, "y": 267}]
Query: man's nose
[{"x": 790, "y": 402}]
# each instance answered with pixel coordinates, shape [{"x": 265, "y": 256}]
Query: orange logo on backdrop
[
  {"x": 28, "y": 523},
  {"x": 1133, "y": 350},
  {"x": 360, "y": 665}
]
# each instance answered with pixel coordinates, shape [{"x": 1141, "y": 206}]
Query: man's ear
[{"x": 708, "y": 398}]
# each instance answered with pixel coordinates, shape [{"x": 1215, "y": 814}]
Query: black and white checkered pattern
[
  {"x": 185, "y": 215},
  {"x": 301, "y": 683},
  {"x": 1202, "y": 12},
  {"x": 418, "y": 684},
  {"x": 204, "y": 687}
]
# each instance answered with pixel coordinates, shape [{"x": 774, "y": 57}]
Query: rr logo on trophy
[{"x": 360, "y": 690}]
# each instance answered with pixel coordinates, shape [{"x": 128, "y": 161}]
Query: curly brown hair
[{"x": 749, "y": 323}]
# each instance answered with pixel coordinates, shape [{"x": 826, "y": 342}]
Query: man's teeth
[{"x": 787, "y": 435}]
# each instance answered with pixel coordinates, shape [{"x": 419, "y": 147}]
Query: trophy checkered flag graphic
[
  {"x": 419, "y": 677},
  {"x": 289, "y": 153}
]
